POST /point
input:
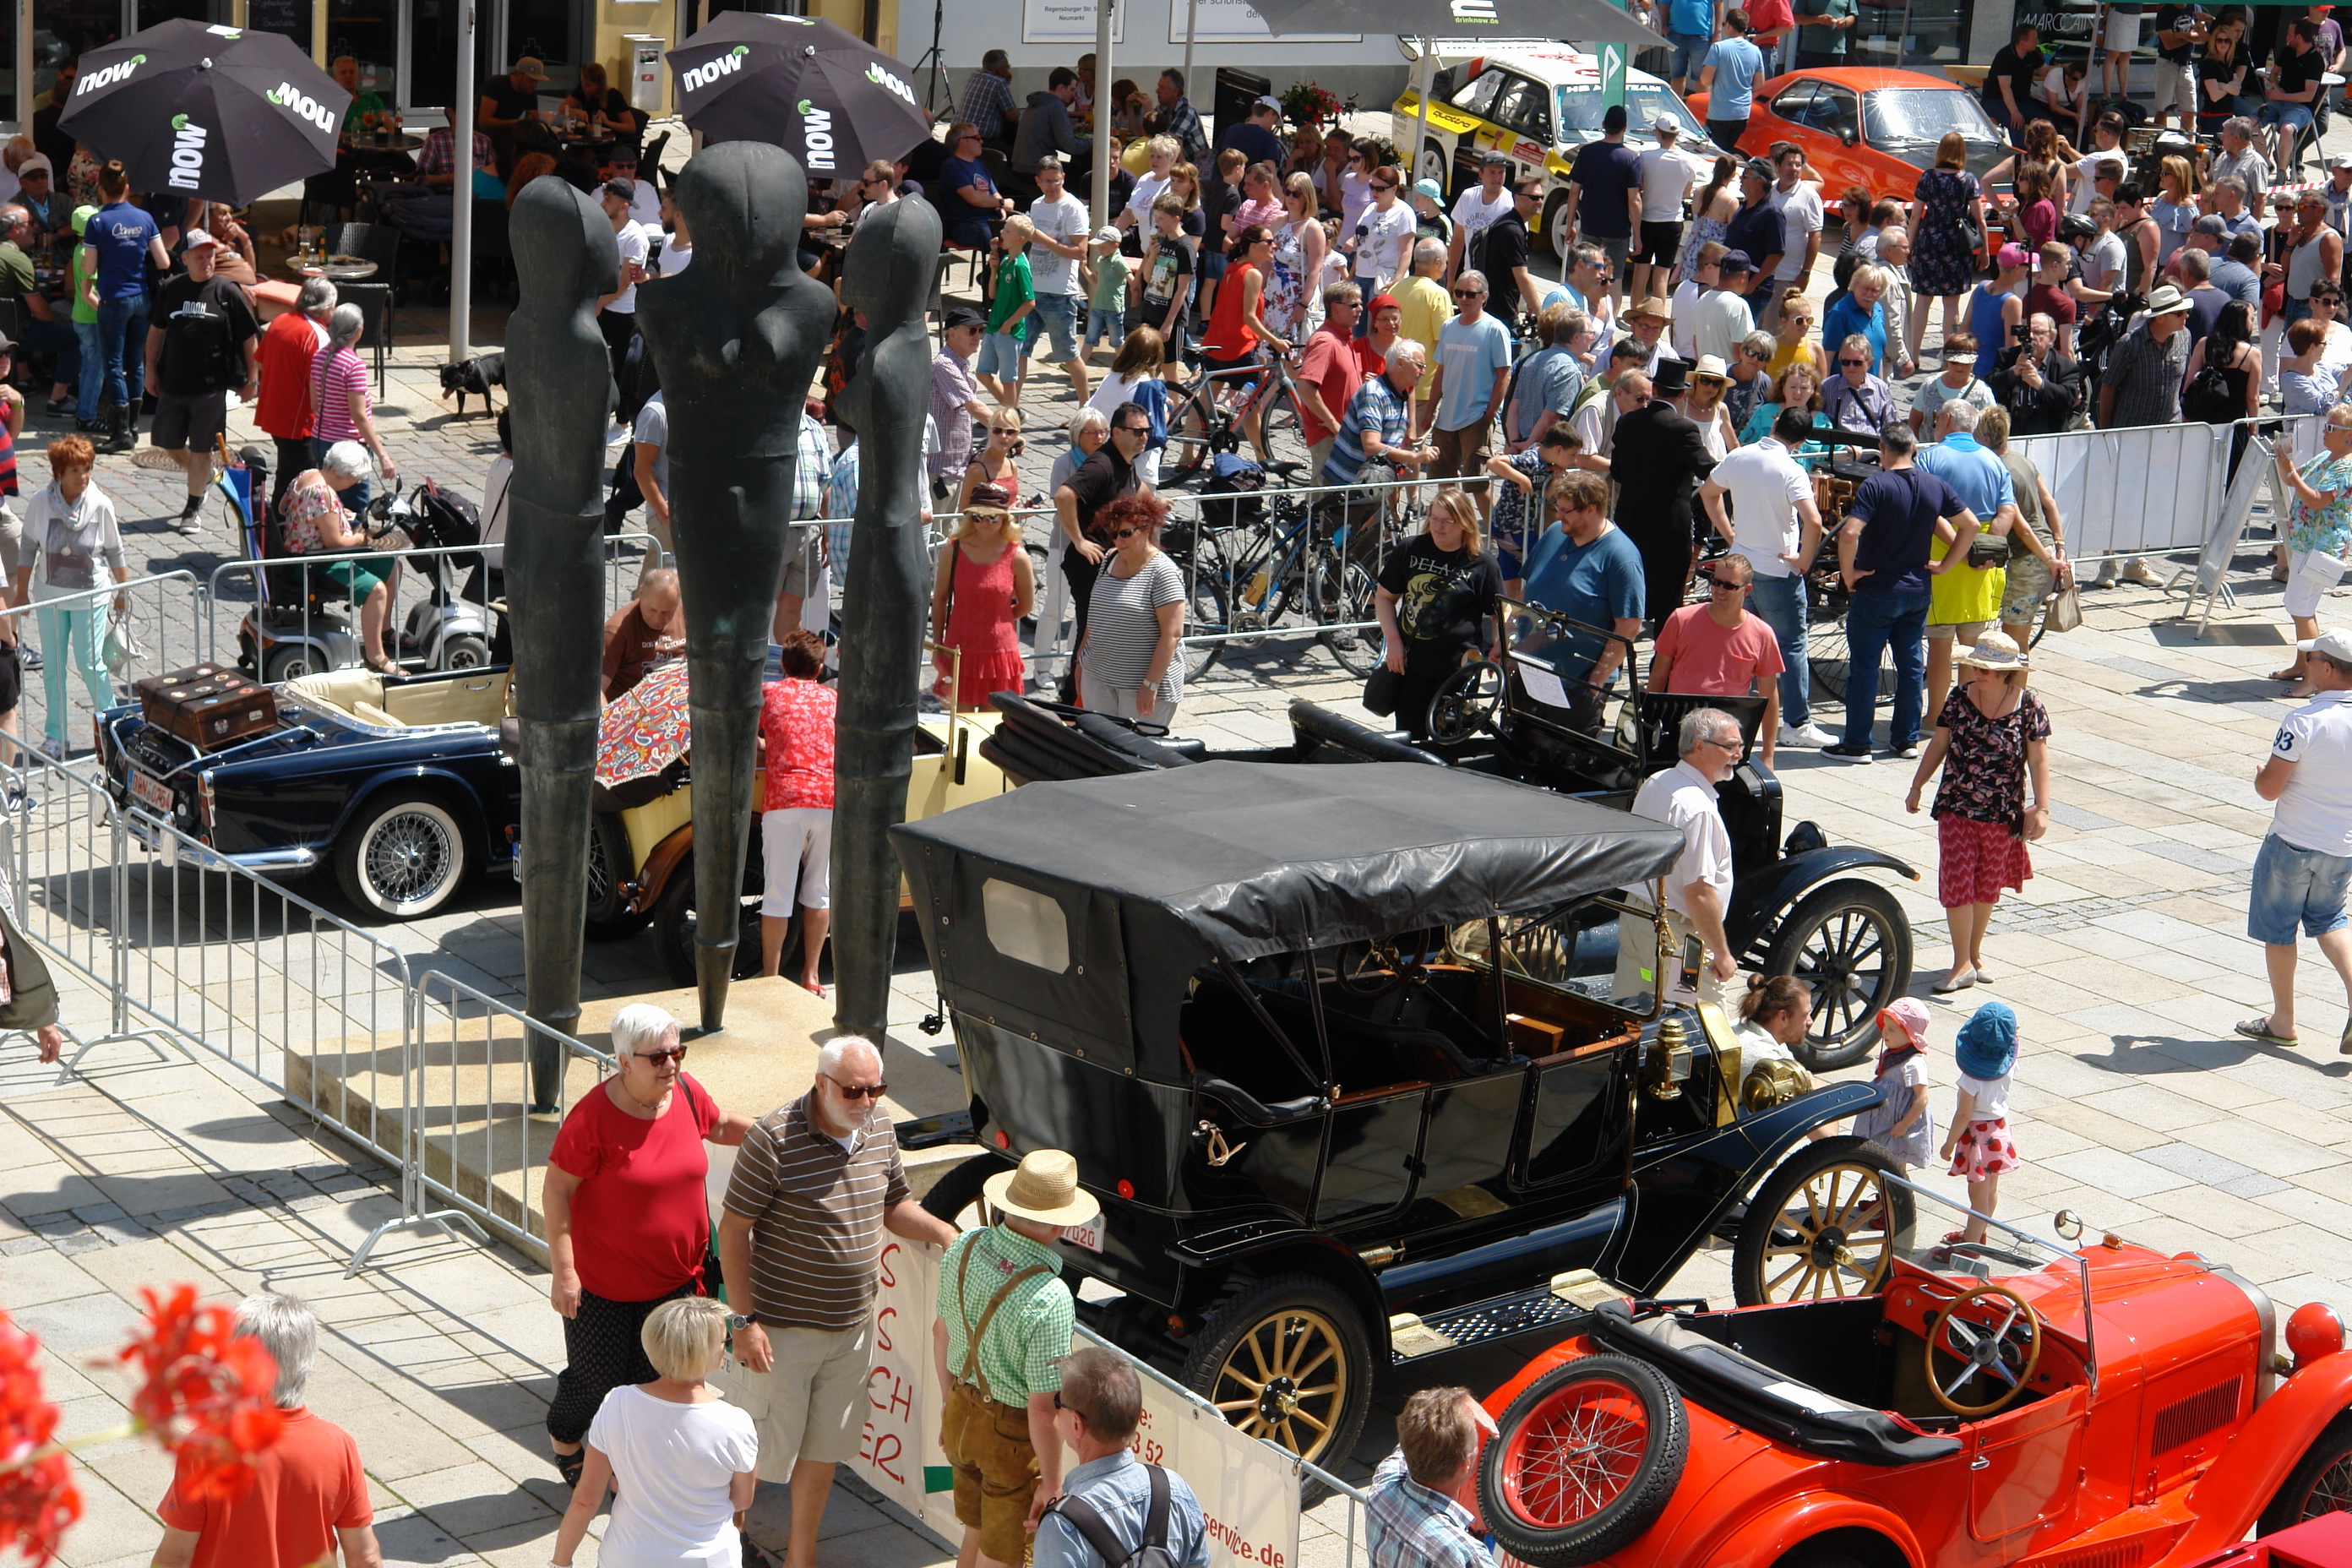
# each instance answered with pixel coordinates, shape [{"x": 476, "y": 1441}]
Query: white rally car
[{"x": 1535, "y": 103}]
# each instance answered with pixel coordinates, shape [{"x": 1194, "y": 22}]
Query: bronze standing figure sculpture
[
  {"x": 887, "y": 277},
  {"x": 561, "y": 375},
  {"x": 735, "y": 339}
]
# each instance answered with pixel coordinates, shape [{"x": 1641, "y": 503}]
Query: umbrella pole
[
  {"x": 1107, "y": 147},
  {"x": 461, "y": 194}
]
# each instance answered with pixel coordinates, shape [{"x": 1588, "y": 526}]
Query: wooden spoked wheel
[
  {"x": 1287, "y": 1380},
  {"x": 1831, "y": 1236}
]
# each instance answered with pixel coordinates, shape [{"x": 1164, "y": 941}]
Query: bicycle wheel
[
  {"x": 1280, "y": 424},
  {"x": 1205, "y": 615},
  {"x": 1825, "y": 650},
  {"x": 1192, "y": 429},
  {"x": 1343, "y": 597}
]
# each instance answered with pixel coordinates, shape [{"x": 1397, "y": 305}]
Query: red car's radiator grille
[{"x": 2184, "y": 1421}]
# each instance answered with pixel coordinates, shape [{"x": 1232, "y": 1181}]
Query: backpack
[
  {"x": 1151, "y": 1551},
  {"x": 2206, "y": 399}
]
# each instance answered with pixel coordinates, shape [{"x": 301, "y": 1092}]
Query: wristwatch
[{"x": 739, "y": 1321}]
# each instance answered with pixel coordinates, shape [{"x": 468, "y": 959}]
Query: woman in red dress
[{"x": 983, "y": 588}]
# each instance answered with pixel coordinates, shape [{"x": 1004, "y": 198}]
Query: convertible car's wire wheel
[
  {"x": 1587, "y": 1457},
  {"x": 1822, "y": 1226},
  {"x": 1851, "y": 943},
  {"x": 2321, "y": 1482},
  {"x": 404, "y": 856},
  {"x": 1287, "y": 1359},
  {"x": 610, "y": 867}
]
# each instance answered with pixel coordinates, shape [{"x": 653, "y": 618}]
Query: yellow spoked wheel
[
  {"x": 1823, "y": 1225},
  {"x": 1286, "y": 1360}
]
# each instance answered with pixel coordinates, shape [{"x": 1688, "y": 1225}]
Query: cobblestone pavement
[{"x": 2125, "y": 957}]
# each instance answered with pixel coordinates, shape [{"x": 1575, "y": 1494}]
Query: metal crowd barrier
[{"x": 152, "y": 600}]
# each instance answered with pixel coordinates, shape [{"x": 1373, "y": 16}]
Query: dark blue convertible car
[{"x": 399, "y": 781}]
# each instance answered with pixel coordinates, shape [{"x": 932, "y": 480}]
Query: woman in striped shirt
[
  {"x": 1127, "y": 665},
  {"x": 340, "y": 408}
]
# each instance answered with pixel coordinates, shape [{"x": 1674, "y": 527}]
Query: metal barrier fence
[{"x": 60, "y": 699}]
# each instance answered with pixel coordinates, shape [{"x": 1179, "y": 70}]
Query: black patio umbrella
[
  {"x": 808, "y": 86},
  {"x": 1585, "y": 21},
  {"x": 225, "y": 113}
]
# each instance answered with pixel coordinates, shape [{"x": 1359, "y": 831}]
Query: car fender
[
  {"x": 655, "y": 875},
  {"x": 1763, "y": 896},
  {"x": 1761, "y": 1541},
  {"x": 1309, "y": 1252},
  {"x": 2241, "y": 1484},
  {"x": 474, "y": 819}
]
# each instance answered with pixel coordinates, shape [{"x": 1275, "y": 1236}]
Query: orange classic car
[
  {"x": 1868, "y": 127},
  {"x": 1927, "y": 1405}
]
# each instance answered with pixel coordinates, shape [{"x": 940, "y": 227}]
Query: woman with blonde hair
[
  {"x": 683, "y": 1464},
  {"x": 2175, "y": 207},
  {"x": 1435, "y": 599},
  {"x": 1796, "y": 336},
  {"x": 993, "y": 463},
  {"x": 1294, "y": 293},
  {"x": 982, "y": 590},
  {"x": 1710, "y": 381}
]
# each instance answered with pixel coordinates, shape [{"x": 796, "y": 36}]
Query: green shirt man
[{"x": 1825, "y": 44}]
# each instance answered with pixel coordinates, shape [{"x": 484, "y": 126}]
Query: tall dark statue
[
  {"x": 558, "y": 372},
  {"x": 887, "y": 277},
  {"x": 736, "y": 338}
]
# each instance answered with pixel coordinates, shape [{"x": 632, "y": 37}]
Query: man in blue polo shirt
[
  {"x": 119, "y": 242},
  {"x": 1967, "y": 599}
]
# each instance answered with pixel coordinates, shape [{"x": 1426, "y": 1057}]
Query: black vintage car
[
  {"x": 1260, "y": 1005},
  {"x": 1799, "y": 904}
]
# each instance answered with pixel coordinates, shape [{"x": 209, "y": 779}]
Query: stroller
[{"x": 446, "y": 630}]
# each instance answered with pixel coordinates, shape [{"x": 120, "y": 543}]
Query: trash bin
[{"x": 1236, "y": 91}]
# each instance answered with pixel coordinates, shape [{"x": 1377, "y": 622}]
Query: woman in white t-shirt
[
  {"x": 683, "y": 1461},
  {"x": 1773, "y": 1016}
]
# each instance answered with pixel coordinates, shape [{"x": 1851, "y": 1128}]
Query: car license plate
[
  {"x": 152, "y": 792},
  {"x": 1089, "y": 1235}
]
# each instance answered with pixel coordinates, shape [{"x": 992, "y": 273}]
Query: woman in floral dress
[
  {"x": 2318, "y": 527},
  {"x": 1990, "y": 736},
  {"x": 1947, "y": 229},
  {"x": 1716, "y": 204},
  {"x": 1299, "y": 245}
]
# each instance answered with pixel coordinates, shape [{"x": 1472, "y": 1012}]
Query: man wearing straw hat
[{"x": 1002, "y": 1326}]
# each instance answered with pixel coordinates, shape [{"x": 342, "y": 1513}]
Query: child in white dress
[
  {"x": 1903, "y": 1123},
  {"x": 1978, "y": 1145}
]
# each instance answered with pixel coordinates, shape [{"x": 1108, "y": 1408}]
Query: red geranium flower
[
  {"x": 37, "y": 1498},
  {"x": 206, "y": 1394}
]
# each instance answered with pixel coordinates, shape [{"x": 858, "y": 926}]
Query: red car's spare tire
[{"x": 1587, "y": 1456}]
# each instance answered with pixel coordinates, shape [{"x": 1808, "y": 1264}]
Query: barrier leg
[{"x": 443, "y": 1220}]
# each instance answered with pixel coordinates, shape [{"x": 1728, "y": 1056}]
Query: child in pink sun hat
[{"x": 1903, "y": 1123}]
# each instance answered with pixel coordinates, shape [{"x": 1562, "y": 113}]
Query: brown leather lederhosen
[{"x": 969, "y": 1388}]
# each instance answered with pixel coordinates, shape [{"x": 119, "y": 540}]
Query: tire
[
  {"x": 610, "y": 869},
  {"x": 1852, "y": 943},
  {"x": 1555, "y": 217},
  {"x": 1299, "y": 1324},
  {"x": 464, "y": 651},
  {"x": 2320, "y": 1483},
  {"x": 1204, "y": 613},
  {"x": 1607, "y": 1426},
  {"x": 404, "y": 856},
  {"x": 674, "y": 930},
  {"x": 1192, "y": 433},
  {"x": 1434, "y": 166},
  {"x": 1825, "y": 651},
  {"x": 291, "y": 661},
  {"x": 1343, "y": 593},
  {"x": 1812, "y": 1255},
  {"x": 1280, "y": 420},
  {"x": 958, "y": 1189}
]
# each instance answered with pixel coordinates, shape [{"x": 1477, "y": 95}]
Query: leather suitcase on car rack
[{"x": 207, "y": 705}]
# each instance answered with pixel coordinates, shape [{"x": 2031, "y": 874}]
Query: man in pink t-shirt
[{"x": 1718, "y": 649}]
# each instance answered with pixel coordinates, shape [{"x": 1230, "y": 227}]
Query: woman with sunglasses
[
  {"x": 1710, "y": 382},
  {"x": 1297, "y": 262},
  {"x": 627, "y": 1226},
  {"x": 984, "y": 588},
  {"x": 1127, "y": 659},
  {"x": 993, "y": 464},
  {"x": 1381, "y": 235}
]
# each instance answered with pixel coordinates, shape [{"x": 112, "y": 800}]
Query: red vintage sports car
[
  {"x": 1965, "y": 1405},
  {"x": 1866, "y": 126}
]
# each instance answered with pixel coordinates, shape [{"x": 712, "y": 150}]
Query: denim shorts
[
  {"x": 2294, "y": 116},
  {"x": 1106, "y": 326},
  {"x": 1690, "y": 51},
  {"x": 1003, "y": 356},
  {"x": 1060, "y": 314},
  {"x": 2294, "y": 885}
]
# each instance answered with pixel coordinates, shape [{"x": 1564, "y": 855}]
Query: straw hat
[
  {"x": 1653, "y": 307},
  {"x": 1997, "y": 650},
  {"x": 1045, "y": 1189}
]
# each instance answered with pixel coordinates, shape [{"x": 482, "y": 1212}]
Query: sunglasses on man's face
[
  {"x": 1468, "y": 294},
  {"x": 1135, "y": 429},
  {"x": 1855, "y": 363},
  {"x": 857, "y": 1090}
]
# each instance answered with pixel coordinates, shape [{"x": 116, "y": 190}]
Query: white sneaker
[
  {"x": 2138, "y": 571},
  {"x": 1811, "y": 735}
]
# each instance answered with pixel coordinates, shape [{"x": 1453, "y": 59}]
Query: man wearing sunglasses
[{"x": 800, "y": 1241}]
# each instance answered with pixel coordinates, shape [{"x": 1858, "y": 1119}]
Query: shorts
[
  {"x": 2123, "y": 32},
  {"x": 362, "y": 575},
  {"x": 1461, "y": 453},
  {"x": 2029, "y": 583},
  {"x": 796, "y": 845},
  {"x": 1106, "y": 326},
  {"x": 1235, "y": 374},
  {"x": 806, "y": 1404},
  {"x": 1689, "y": 52},
  {"x": 803, "y": 558},
  {"x": 1965, "y": 631},
  {"x": 2303, "y": 592},
  {"x": 11, "y": 673},
  {"x": 1984, "y": 1150},
  {"x": 2176, "y": 87},
  {"x": 1003, "y": 356},
  {"x": 1975, "y": 861},
  {"x": 2294, "y": 886},
  {"x": 1659, "y": 243},
  {"x": 988, "y": 1447},
  {"x": 192, "y": 421},
  {"x": 1060, "y": 314},
  {"x": 2294, "y": 116},
  {"x": 1616, "y": 250},
  {"x": 1213, "y": 267}
]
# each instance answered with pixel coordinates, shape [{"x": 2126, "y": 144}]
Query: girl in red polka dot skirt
[{"x": 1978, "y": 1144}]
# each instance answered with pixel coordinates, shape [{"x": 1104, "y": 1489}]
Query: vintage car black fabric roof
[{"x": 1254, "y": 858}]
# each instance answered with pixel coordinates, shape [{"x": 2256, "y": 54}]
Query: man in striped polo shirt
[{"x": 816, "y": 1184}]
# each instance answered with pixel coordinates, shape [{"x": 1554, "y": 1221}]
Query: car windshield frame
[
  {"x": 1577, "y": 108},
  {"x": 1968, "y": 117},
  {"x": 1918, "y": 1243}
]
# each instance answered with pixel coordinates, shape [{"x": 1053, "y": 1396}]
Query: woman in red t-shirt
[
  {"x": 796, "y": 719},
  {"x": 626, "y": 1177}
]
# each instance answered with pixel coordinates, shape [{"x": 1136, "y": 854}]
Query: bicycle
[
  {"x": 1199, "y": 426},
  {"x": 1290, "y": 570}
]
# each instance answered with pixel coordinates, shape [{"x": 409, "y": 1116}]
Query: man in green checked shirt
[{"x": 1002, "y": 1326}]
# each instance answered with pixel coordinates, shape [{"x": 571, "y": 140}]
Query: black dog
[{"x": 475, "y": 376}]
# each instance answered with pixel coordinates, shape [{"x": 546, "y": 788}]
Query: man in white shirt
[
  {"x": 1798, "y": 203},
  {"x": 2303, "y": 870},
  {"x": 1698, "y": 884},
  {"x": 1720, "y": 320},
  {"x": 1779, "y": 530},
  {"x": 1704, "y": 279},
  {"x": 1477, "y": 208},
  {"x": 617, "y": 313},
  {"x": 1060, "y": 242},
  {"x": 1667, "y": 175}
]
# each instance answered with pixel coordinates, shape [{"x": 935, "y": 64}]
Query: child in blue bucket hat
[{"x": 1978, "y": 1145}]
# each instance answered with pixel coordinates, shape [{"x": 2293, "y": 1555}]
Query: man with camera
[{"x": 2040, "y": 386}]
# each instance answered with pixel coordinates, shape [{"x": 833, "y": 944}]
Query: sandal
[
  {"x": 382, "y": 666},
  {"x": 568, "y": 1466},
  {"x": 1956, "y": 982},
  {"x": 2291, "y": 673},
  {"x": 2259, "y": 1029}
]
